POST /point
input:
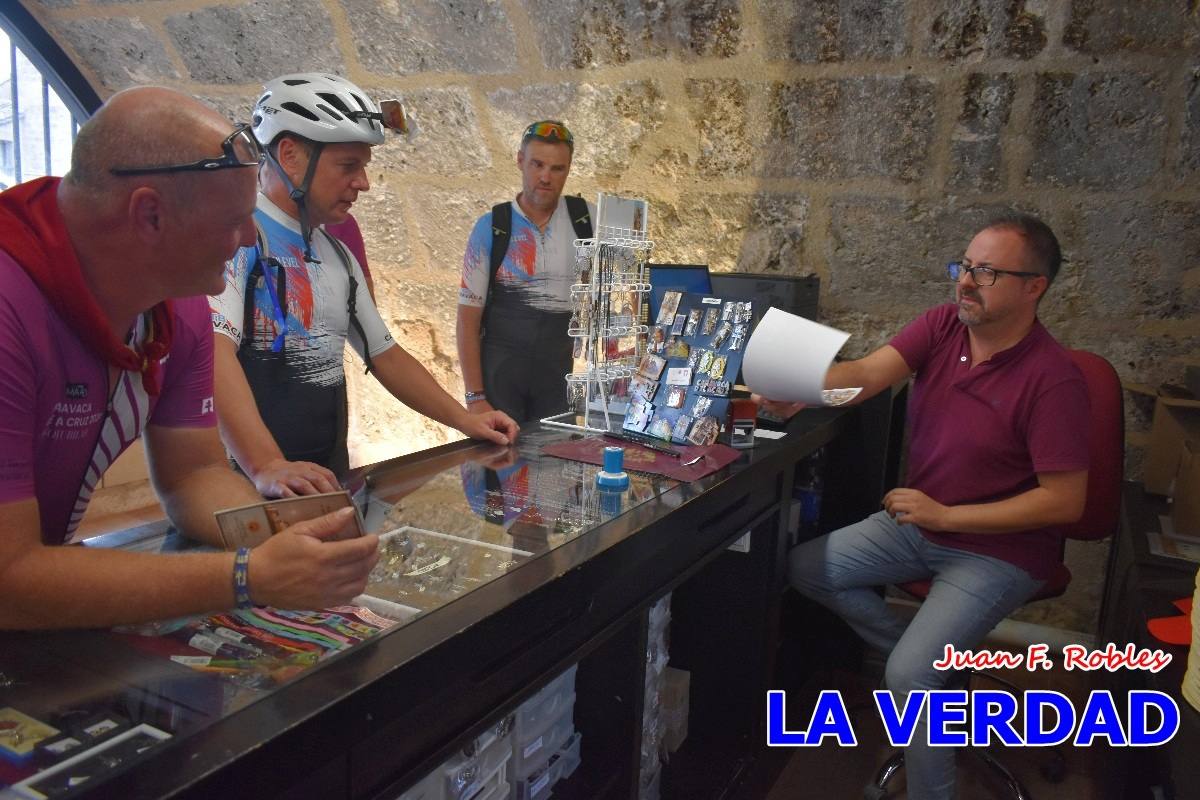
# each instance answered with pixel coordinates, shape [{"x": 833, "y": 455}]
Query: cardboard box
[
  {"x": 1176, "y": 421},
  {"x": 1185, "y": 510}
]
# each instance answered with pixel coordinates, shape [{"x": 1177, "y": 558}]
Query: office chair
[{"x": 1101, "y": 517}]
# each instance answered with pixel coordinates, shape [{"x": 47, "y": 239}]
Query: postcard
[{"x": 250, "y": 526}]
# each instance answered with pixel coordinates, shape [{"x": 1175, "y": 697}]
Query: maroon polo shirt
[{"x": 978, "y": 435}]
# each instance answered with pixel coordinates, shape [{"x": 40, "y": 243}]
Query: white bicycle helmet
[{"x": 318, "y": 106}]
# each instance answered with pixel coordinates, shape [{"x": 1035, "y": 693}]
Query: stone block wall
[{"x": 859, "y": 140}]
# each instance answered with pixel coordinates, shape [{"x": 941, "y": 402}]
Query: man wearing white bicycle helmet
[{"x": 292, "y": 301}]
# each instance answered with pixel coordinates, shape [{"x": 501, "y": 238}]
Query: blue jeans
[{"x": 969, "y": 595}]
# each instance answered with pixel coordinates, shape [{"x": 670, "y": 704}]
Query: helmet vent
[
  {"x": 330, "y": 112},
  {"x": 361, "y": 103},
  {"x": 335, "y": 101},
  {"x": 296, "y": 81},
  {"x": 300, "y": 110}
]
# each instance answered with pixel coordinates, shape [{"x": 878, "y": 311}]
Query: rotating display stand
[{"x": 608, "y": 322}]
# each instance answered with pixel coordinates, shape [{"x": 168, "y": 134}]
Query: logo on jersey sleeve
[{"x": 206, "y": 405}]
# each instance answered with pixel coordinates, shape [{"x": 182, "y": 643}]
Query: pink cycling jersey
[{"x": 59, "y": 431}]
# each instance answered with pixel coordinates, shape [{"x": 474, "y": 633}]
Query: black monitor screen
[
  {"x": 795, "y": 295},
  {"x": 679, "y": 277}
]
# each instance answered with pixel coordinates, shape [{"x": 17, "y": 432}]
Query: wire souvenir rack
[{"x": 608, "y": 309}]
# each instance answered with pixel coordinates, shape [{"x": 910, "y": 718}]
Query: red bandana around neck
[{"x": 33, "y": 232}]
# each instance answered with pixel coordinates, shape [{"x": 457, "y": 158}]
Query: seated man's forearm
[
  {"x": 1038, "y": 508},
  {"x": 74, "y": 587}
]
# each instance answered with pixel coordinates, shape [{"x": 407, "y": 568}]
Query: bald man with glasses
[
  {"x": 998, "y": 460},
  {"x": 105, "y": 337}
]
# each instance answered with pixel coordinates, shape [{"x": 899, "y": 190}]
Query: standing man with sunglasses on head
[
  {"x": 998, "y": 459},
  {"x": 295, "y": 296},
  {"x": 105, "y": 338},
  {"x": 514, "y": 303}
]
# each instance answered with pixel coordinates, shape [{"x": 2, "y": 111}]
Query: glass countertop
[{"x": 77, "y": 705}]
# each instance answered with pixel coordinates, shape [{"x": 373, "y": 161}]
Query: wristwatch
[{"x": 475, "y": 396}]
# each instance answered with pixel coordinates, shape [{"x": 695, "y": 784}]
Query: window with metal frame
[{"x": 43, "y": 100}]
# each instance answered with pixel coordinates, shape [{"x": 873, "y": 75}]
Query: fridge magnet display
[
  {"x": 658, "y": 339},
  {"x": 666, "y": 311},
  {"x": 638, "y": 416},
  {"x": 680, "y": 431},
  {"x": 722, "y": 335},
  {"x": 651, "y": 366},
  {"x": 677, "y": 348},
  {"x": 660, "y": 429},
  {"x": 712, "y": 388},
  {"x": 642, "y": 389},
  {"x": 679, "y": 376},
  {"x": 695, "y": 370},
  {"x": 704, "y": 431}
]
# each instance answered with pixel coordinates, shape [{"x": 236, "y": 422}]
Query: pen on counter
[{"x": 659, "y": 448}]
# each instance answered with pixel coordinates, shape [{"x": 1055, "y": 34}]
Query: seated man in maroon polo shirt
[{"x": 998, "y": 459}]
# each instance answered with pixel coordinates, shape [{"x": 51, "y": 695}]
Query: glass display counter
[{"x": 499, "y": 566}]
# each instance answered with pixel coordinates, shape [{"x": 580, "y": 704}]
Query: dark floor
[{"x": 835, "y": 772}]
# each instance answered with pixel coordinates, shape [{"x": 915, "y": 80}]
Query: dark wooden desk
[
  {"x": 1140, "y": 587},
  {"x": 369, "y": 722}
]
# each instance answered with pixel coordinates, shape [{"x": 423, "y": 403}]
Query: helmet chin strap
[{"x": 298, "y": 195}]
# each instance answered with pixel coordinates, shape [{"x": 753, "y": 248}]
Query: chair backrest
[{"x": 1106, "y": 441}]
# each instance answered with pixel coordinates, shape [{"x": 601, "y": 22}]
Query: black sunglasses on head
[{"x": 240, "y": 149}]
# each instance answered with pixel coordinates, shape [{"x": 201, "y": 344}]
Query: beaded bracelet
[{"x": 241, "y": 578}]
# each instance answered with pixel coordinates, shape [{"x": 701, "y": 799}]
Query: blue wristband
[{"x": 241, "y": 578}]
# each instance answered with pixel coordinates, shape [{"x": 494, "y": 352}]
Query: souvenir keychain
[{"x": 721, "y": 336}]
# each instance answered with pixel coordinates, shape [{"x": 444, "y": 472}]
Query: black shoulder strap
[
  {"x": 262, "y": 255},
  {"x": 352, "y": 298},
  {"x": 501, "y": 234},
  {"x": 581, "y": 218}
]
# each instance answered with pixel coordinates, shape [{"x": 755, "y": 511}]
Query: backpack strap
[
  {"x": 352, "y": 299},
  {"x": 581, "y": 218},
  {"x": 262, "y": 255},
  {"x": 501, "y": 235}
]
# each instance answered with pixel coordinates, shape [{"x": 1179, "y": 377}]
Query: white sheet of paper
[
  {"x": 764, "y": 433},
  {"x": 788, "y": 356}
]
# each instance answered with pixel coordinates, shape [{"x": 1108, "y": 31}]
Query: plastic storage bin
[
  {"x": 561, "y": 765},
  {"x": 533, "y": 748},
  {"x": 494, "y": 785},
  {"x": 536, "y": 712},
  {"x": 431, "y": 787},
  {"x": 464, "y": 775}
]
